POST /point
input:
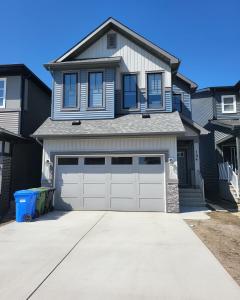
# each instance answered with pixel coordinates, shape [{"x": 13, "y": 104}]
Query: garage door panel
[
  {"x": 96, "y": 203},
  {"x": 94, "y": 189},
  {"x": 151, "y": 204},
  {"x": 124, "y": 204},
  {"x": 151, "y": 190},
  {"x": 68, "y": 203},
  {"x": 123, "y": 183},
  {"x": 70, "y": 190},
  {"x": 122, "y": 189},
  {"x": 125, "y": 177},
  {"x": 68, "y": 177},
  {"x": 94, "y": 176}
]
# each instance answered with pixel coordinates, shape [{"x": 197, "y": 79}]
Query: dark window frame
[
  {"x": 149, "y": 157},
  {"x": 123, "y": 90},
  {"x": 94, "y": 164},
  {"x": 88, "y": 89},
  {"x": 63, "y": 102},
  {"x": 162, "y": 91},
  {"x": 65, "y": 163},
  {"x": 125, "y": 163},
  {"x": 181, "y": 101}
]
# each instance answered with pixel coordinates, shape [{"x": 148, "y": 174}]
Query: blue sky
[{"x": 205, "y": 35}]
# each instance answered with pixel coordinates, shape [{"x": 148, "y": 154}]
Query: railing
[
  {"x": 226, "y": 172},
  {"x": 201, "y": 184}
]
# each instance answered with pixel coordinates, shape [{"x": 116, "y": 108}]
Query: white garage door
[{"x": 130, "y": 183}]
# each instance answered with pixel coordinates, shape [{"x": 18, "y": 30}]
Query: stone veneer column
[{"x": 172, "y": 198}]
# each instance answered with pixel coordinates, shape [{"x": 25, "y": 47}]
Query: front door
[{"x": 182, "y": 167}]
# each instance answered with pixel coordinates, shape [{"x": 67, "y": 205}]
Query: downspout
[{"x": 238, "y": 161}]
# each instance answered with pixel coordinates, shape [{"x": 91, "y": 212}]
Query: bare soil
[{"x": 221, "y": 234}]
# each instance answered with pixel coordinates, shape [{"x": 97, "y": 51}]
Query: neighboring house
[
  {"x": 218, "y": 110},
  {"x": 25, "y": 103},
  {"x": 115, "y": 137}
]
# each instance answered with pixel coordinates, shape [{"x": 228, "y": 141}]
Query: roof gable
[{"x": 122, "y": 29}]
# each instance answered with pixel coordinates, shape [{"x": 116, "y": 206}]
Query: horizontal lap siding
[
  {"x": 83, "y": 112},
  {"x": 10, "y": 120},
  {"x": 219, "y": 113},
  {"x": 186, "y": 98}
]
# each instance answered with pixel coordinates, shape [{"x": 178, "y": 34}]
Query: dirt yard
[{"x": 221, "y": 234}]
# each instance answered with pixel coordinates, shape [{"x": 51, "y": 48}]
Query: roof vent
[
  {"x": 77, "y": 122},
  {"x": 145, "y": 116},
  {"x": 111, "y": 40}
]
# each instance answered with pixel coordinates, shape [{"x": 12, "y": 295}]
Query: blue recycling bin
[{"x": 25, "y": 205}]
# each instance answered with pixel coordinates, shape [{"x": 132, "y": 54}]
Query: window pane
[
  {"x": 95, "y": 89},
  {"x": 68, "y": 161},
  {"x": 70, "y": 90},
  {"x": 121, "y": 160},
  {"x": 7, "y": 147},
  {"x": 177, "y": 102},
  {"x": 2, "y": 84},
  {"x": 1, "y": 101},
  {"x": 228, "y": 100},
  {"x": 154, "y": 90},
  {"x": 228, "y": 107},
  {"x": 130, "y": 91},
  {"x": 150, "y": 160},
  {"x": 1, "y": 93},
  {"x": 94, "y": 160}
]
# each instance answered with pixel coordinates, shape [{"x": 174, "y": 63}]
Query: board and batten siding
[
  {"x": 10, "y": 120},
  {"x": 82, "y": 112},
  {"x": 134, "y": 59},
  {"x": 163, "y": 143}
]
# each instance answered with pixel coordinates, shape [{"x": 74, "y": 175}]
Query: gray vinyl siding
[
  {"x": 186, "y": 100},
  {"x": 36, "y": 109},
  {"x": 10, "y": 120},
  {"x": 202, "y": 113},
  {"x": 202, "y": 110},
  {"x": 218, "y": 106},
  {"x": 142, "y": 102},
  {"x": 82, "y": 111}
]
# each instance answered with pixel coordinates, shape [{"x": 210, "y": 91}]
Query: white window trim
[
  {"x": 234, "y": 104},
  {"x": 4, "y": 92}
]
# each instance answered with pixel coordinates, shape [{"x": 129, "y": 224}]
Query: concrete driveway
[{"x": 113, "y": 255}]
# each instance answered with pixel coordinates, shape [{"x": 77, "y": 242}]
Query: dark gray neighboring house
[
  {"x": 25, "y": 103},
  {"x": 218, "y": 110}
]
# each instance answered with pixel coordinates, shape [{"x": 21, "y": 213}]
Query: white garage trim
[{"x": 107, "y": 155}]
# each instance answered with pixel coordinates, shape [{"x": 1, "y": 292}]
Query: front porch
[
  {"x": 191, "y": 183},
  {"x": 228, "y": 169}
]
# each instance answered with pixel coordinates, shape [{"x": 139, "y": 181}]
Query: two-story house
[
  {"x": 120, "y": 126},
  {"x": 25, "y": 103},
  {"x": 218, "y": 110}
]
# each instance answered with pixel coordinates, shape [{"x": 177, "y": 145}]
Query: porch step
[{"x": 191, "y": 197}]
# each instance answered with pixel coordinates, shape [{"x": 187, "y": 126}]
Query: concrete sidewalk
[{"x": 116, "y": 255}]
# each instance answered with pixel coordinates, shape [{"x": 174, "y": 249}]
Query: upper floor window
[
  {"x": 177, "y": 102},
  {"x": 70, "y": 90},
  {"x": 154, "y": 90},
  {"x": 2, "y": 92},
  {"x": 95, "y": 89},
  {"x": 111, "y": 40},
  {"x": 228, "y": 104},
  {"x": 129, "y": 91}
]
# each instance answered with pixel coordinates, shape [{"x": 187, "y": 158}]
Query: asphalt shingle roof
[{"x": 131, "y": 124}]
